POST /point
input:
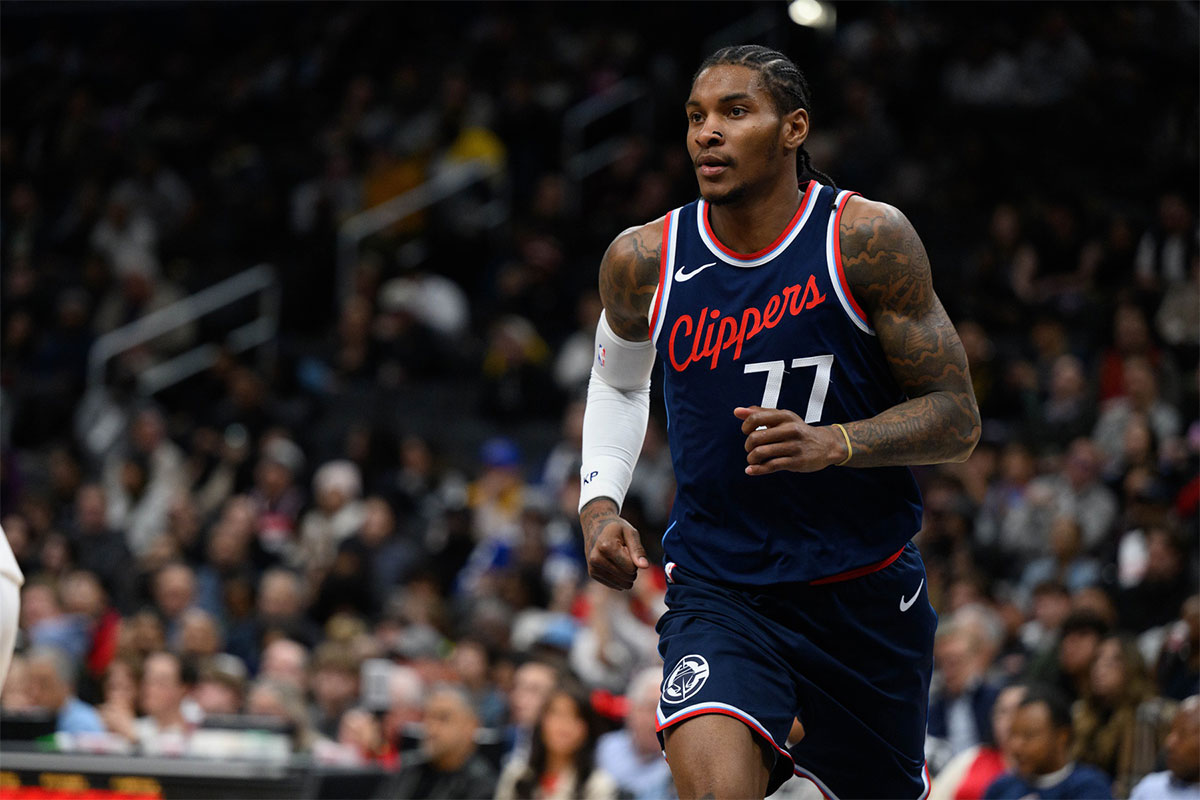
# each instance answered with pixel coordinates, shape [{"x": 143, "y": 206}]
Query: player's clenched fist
[
  {"x": 613, "y": 546},
  {"x": 778, "y": 439}
]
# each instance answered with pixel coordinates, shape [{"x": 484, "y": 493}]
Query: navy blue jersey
[{"x": 778, "y": 328}]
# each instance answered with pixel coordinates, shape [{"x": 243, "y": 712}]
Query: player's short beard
[{"x": 732, "y": 197}]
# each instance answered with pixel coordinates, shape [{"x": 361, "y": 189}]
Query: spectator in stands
[
  {"x": 960, "y": 703},
  {"x": 334, "y": 685},
  {"x": 1040, "y": 742},
  {"x": 276, "y": 497},
  {"x": 1181, "y": 779},
  {"x": 561, "y": 761},
  {"x": 1168, "y": 250},
  {"x": 1068, "y": 666},
  {"x": 969, "y": 773},
  {"x": 531, "y": 686},
  {"x": 387, "y": 558},
  {"x": 52, "y": 676},
  {"x": 337, "y": 488},
  {"x": 1050, "y": 605},
  {"x": 285, "y": 703},
  {"x": 286, "y": 661},
  {"x": 633, "y": 755},
  {"x": 122, "y": 682},
  {"x": 46, "y": 622},
  {"x": 199, "y": 635},
  {"x": 1163, "y": 587},
  {"x": 1141, "y": 397},
  {"x": 164, "y": 729},
  {"x": 1066, "y": 564},
  {"x": 451, "y": 768},
  {"x": 174, "y": 594},
  {"x": 140, "y": 482},
  {"x": 406, "y": 705},
  {"x": 1106, "y": 717},
  {"x": 280, "y": 608},
  {"x": 1178, "y": 668},
  {"x": 220, "y": 685},
  {"x": 1069, "y": 408},
  {"x": 995, "y": 526},
  {"x": 473, "y": 664},
  {"x": 100, "y": 548},
  {"x": 1077, "y": 493}
]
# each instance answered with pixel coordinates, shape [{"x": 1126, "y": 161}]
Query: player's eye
[
  {"x": 737, "y": 111},
  {"x": 695, "y": 117}
]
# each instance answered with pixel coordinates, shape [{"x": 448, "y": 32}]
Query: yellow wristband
[{"x": 849, "y": 447}]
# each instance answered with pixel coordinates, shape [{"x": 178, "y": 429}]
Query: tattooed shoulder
[
  {"x": 628, "y": 279},
  {"x": 883, "y": 259}
]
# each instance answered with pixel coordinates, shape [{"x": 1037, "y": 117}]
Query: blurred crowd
[{"x": 367, "y": 532}]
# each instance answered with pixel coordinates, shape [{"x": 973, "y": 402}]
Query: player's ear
[{"x": 795, "y": 128}]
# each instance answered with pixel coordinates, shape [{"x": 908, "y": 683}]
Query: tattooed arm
[
  {"x": 888, "y": 271},
  {"x": 628, "y": 278},
  {"x": 615, "y": 418}
]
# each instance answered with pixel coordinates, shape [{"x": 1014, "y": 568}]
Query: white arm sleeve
[{"x": 618, "y": 409}]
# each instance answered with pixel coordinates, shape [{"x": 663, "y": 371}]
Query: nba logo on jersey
[
  {"x": 685, "y": 680},
  {"x": 600, "y": 354}
]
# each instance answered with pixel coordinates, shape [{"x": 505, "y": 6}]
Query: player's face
[{"x": 737, "y": 139}]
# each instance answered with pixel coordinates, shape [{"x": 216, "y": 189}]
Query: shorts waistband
[{"x": 858, "y": 572}]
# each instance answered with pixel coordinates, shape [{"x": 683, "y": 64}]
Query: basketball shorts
[{"x": 850, "y": 659}]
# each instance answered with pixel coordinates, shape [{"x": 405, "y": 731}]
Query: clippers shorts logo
[{"x": 685, "y": 680}]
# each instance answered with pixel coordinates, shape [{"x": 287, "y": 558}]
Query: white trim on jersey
[
  {"x": 833, "y": 270},
  {"x": 702, "y": 212},
  {"x": 668, "y": 278}
]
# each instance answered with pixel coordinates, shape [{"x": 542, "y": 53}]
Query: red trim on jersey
[
  {"x": 662, "y": 273},
  {"x": 699, "y": 712},
  {"x": 850, "y": 575},
  {"x": 795, "y": 219},
  {"x": 837, "y": 260}
]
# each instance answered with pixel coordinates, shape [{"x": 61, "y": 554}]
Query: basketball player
[{"x": 807, "y": 362}]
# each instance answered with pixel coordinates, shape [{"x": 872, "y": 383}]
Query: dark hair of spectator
[
  {"x": 784, "y": 82},
  {"x": 584, "y": 760},
  {"x": 1084, "y": 622},
  {"x": 1056, "y": 705}
]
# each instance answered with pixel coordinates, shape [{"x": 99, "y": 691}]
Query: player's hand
[
  {"x": 787, "y": 442},
  {"x": 613, "y": 546}
]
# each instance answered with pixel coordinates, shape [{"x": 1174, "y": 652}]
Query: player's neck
[{"x": 755, "y": 223}]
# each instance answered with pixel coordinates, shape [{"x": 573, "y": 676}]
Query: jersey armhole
[
  {"x": 837, "y": 276},
  {"x": 658, "y": 304}
]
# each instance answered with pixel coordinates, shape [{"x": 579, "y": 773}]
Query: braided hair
[{"x": 785, "y": 83}]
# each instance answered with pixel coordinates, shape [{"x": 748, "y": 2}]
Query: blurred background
[{"x": 296, "y": 315}]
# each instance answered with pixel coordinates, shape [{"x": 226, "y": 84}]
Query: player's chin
[{"x": 720, "y": 194}]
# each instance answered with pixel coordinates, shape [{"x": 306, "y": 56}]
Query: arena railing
[
  {"x": 259, "y": 280},
  {"x": 580, "y": 161},
  {"x": 445, "y": 184}
]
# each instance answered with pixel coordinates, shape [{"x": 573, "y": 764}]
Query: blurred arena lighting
[{"x": 813, "y": 14}]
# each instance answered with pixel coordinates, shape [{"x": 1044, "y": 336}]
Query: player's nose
[{"x": 709, "y": 136}]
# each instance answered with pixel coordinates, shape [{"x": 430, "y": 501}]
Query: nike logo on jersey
[
  {"x": 682, "y": 276},
  {"x": 905, "y": 605}
]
